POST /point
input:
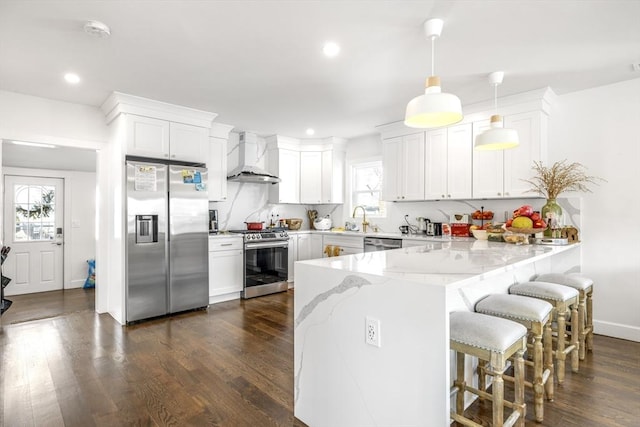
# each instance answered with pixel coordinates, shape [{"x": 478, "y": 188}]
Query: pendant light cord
[
  {"x": 433, "y": 55},
  {"x": 495, "y": 98}
]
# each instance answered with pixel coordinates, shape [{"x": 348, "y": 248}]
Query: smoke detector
[{"x": 97, "y": 28}]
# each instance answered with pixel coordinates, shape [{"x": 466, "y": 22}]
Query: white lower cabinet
[
  {"x": 342, "y": 245},
  {"x": 225, "y": 268},
  {"x": 315, "y": 246}
]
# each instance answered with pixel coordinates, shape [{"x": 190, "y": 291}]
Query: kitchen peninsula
[{"x": 340, "y": 380}]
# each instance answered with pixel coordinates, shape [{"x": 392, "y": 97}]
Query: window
[
  {"x": 35, "y": 212},
  {"x": 366, "y": 187}
]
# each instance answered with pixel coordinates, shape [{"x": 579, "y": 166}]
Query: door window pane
[{"x": 34, "y": 207}]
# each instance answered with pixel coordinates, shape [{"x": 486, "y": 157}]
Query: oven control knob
[{"x": 257, "y": 236}]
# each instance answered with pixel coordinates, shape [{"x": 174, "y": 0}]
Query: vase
[{"x": 552, "y": 214}]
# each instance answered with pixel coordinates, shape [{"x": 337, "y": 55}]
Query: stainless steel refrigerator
[{"x": 167, "y": 239}]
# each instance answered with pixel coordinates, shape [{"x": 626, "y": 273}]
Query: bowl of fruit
[{"x": 526, "y": 221}]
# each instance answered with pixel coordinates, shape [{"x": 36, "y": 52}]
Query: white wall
[
  {"x": 600, "y": 128},
  {"x": 30, "y": 118}
]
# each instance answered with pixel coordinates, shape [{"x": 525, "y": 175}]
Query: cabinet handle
[
  {"x": 403, "y": 197},
  {"x": 499, "y": 194},
  {"x": 506, "y": 194},
  {"x": 449, "y": 195},
  {"x": 442, "y": 196},
  {"x": 226, "y": 244}
]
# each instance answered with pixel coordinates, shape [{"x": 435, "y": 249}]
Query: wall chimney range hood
[{"x": 248, "y": 171}]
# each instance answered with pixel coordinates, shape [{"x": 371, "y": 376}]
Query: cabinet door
[
  {"x": 293, "y": 256},
  {"x": 412, "y": 174},
  {"x": 304, "y": 247},
  {"x": 436, "y": 165},
  {"x": 518, "y": 162},
  {"x": 188, "y": 143},
  {"x": 488, "y": 169},
  {"x": 217, "y": 166},
  {"x": 225, "y": 272},
  {"x": 332, "y": 176},
  {"x": 311, "y": 177},
  {"x": 315, "y": 246},
  {"x": 391, "y": 161},
  {"x": 147, "y": 137},
  {"x": 289, "y": 174},
  {"x": 459, "y": 161}
]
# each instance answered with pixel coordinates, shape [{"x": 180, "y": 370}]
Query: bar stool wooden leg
[
  {"x": 548, "y": 358},
  {"x": 538, "y": 382},
  {"x": 575, "y": 328},
  {"x": 519, "y": 387},
  {"x": 589, "y": 340},
  {"x": 582, "y": 311},
  {"x": 560, "y": 354},
  {"x": 460, "y": 383}
]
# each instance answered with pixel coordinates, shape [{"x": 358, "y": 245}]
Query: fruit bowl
[
  {"x": 480, "y": 234},
  {"x": 525, "y": 230}
]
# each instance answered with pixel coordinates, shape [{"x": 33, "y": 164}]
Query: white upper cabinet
[
  {"x": 518, "y": 162},
  {"x": 311, "y": 177},
  {"x": 310, "y": 172},
  {"x": 285, "y": 164},
  {"x": 459, "y": 161},
  {"x": 188, "y": 143},
  {"x": 217, "y": 166},
  {"x": 499, "y": 174},
  {"x": 147, "y": 137},
  {"x": 448, "y": 163},
  {"x": 403, "y": 160},
  {"x": 161, "y": 139},
  {"x": 333, "y": 176}
]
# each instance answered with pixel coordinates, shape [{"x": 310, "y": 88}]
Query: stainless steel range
[{"x": 266, "y": 265}]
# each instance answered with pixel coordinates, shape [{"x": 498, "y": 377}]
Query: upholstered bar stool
[
  {"x": 494, "y": 340},
  {"x": 584, "y": 286},
  {"x": 564, "y": 300},
  {"x": 535, "y": 315}
]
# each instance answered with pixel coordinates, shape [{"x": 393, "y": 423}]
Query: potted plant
[{"x": 550, "y": 182}]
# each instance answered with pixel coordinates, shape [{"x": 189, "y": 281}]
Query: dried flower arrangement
[{"x": 560, "y": 177}]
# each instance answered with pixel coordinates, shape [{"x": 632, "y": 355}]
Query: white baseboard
[
  {"x": 225, "y": 297},
  {"x": 616, "y": 330},
  {"x": 74, "y": 284}
]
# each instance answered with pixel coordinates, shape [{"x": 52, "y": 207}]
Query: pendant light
[
  {"x": 496, "y": 137},
  {"x": 434, "y": 108}
]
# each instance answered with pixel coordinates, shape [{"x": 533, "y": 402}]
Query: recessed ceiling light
[
  {"x": 310, "y": 131},
  {"x": 331, "y": 49},
  {"x": 33, "y": 144},
  {"x": 97, "y": 28},
  {"x": 72, "y": 78}
]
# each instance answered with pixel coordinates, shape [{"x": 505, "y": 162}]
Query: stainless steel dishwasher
[{"x": 373, "y": 244}]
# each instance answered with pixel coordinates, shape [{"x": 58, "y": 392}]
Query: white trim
[
  {"x": 617, "y": 330},
  {"x": 224, "y": 297},
  {"x": 121, "y": 103}
]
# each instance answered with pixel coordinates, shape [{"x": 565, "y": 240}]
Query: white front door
[{"x": 33, "y": 228}]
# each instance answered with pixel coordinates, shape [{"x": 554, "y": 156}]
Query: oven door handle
[{"x": 266, "y": 245}]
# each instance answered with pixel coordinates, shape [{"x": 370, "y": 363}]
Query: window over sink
[{"x": 366, "y": 188}]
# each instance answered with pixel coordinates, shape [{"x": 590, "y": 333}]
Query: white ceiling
[{"x": 258, "y": 64}]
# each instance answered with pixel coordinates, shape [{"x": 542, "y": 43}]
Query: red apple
[
  {"x": 525, "y": 210},
  {"x": 509, "y": 222},
  {"x": 516, "y": 213},
  {"x": 535, "y": 216},
  {"x": 539, "y": 223}
]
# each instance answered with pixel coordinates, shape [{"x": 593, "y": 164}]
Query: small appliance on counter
[
  {"x": 323, "y": 223},
  {"x": 213, "y": 221},
  {"x": 422, "y": 224}
]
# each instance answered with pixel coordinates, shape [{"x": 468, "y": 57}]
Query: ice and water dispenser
[{"x": 146, "y": 228}]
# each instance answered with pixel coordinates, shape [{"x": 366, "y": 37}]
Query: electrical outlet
[{"x": 372, "y": 332}]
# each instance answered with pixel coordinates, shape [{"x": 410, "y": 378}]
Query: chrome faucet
[{"x": 364, "y": 217}]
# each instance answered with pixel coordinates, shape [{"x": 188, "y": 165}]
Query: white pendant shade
[
  {"x": 434, "y": 108},
  {"x": 497, "y": 137}
]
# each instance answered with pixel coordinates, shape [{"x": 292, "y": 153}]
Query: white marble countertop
[
  {"x": 442, "y": 262},
  {"x": 383, "y": 234}
]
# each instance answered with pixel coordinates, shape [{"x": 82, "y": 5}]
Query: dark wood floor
[{"x": 229, "y": 366}]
